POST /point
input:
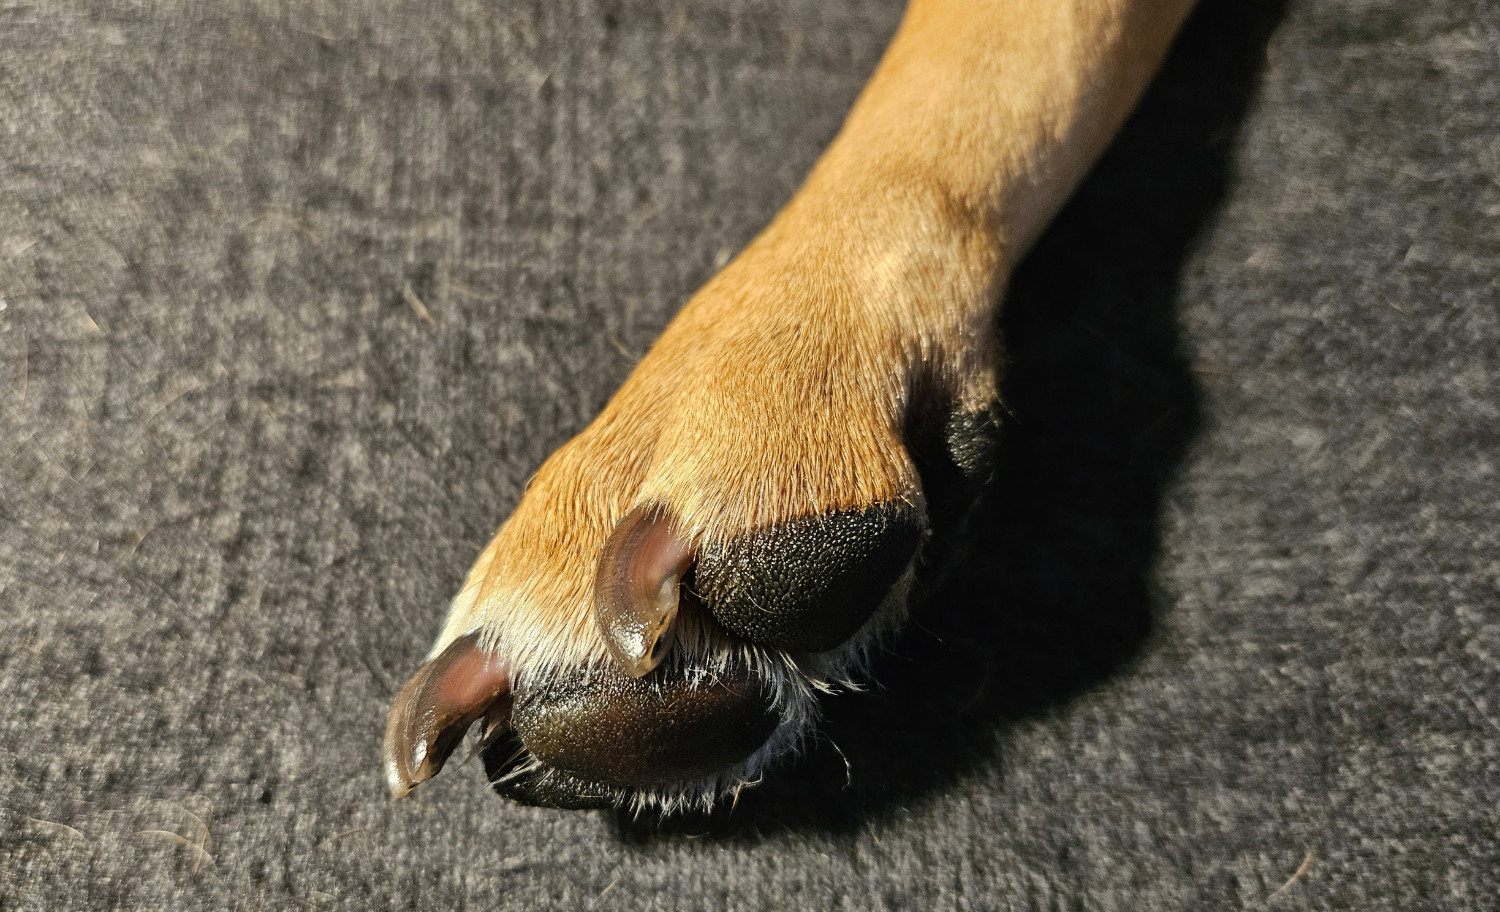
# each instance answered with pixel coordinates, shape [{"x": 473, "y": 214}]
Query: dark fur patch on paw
[{"x": 972, "y": 438}]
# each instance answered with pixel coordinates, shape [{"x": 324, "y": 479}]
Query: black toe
[
  {"x": 516, "y": 774},
  {"x": 809, "y": 584},
  {"x": 602, "y": 726}
]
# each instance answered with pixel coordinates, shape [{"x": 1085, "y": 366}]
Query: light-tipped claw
[
  {"x": 636, "y": 590},
  {"x": 437, "y": 706}
]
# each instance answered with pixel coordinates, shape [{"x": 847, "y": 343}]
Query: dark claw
[
  {"x": 437, "y": 706},
  {"x": 636, "y": 590}
]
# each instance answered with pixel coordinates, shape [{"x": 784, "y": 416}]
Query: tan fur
[{"x": 782, "y": 388}]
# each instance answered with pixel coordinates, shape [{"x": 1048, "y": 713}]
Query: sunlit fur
[{"x": 785, "y": 385}]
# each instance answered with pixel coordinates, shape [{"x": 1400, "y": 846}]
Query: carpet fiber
[{"x": 294, "y": 296}]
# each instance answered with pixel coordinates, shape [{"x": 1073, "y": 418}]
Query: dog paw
[{"x": 730, "y": 537}]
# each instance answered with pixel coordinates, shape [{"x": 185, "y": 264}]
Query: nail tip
[
  {"x": 395, "y": 783},
  {"x": 632, "y": 665}
]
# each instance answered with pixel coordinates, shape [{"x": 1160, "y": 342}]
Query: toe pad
[{"x": 809, "y": 584}]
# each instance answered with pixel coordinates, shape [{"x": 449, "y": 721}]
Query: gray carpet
[{"x": 294, "y": 297}]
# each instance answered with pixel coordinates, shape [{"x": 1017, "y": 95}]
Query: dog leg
[{"x": 739, "y": 524}]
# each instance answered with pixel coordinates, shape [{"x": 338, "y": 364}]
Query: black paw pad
[
  {"x": 603, "y": 727},
  {"x": 809, "y": 584},
  {"x": 516, "y": 774}
]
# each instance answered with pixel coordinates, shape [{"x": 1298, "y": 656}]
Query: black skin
[
  {"x": 809, "y": 584},
  {"x": 599, "y": 734}
]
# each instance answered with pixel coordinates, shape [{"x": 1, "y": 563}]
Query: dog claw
[
  {"x": 436, "y": 707},
  {"x": 636, "y": 591}
]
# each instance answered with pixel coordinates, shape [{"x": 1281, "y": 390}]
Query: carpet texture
[{"x": 295, "y": 296}]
